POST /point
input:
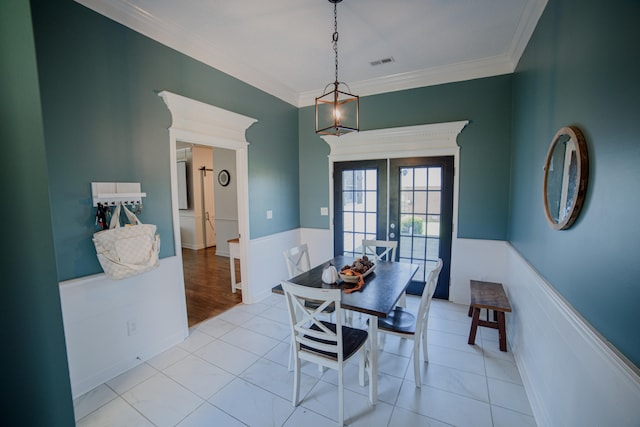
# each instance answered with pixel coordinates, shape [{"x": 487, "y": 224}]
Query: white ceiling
[{"x": 284, "y": 46}]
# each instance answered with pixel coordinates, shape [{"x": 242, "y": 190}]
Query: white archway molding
[
  {"x": 438, "y": 139},
  {"x": 431, "y": 140},
  {"x": 204, "y": 124}
]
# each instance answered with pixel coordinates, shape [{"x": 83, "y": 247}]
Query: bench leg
[
  {"x": 502, "y": 331},
  {"x": 474, "y": 325}
]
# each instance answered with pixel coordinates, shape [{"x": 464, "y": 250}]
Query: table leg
[{"x": 373, "y": 359}]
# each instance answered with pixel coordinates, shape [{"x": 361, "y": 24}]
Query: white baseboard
[
  {"x": 192, "y": 246},
  {"x": 223, "y": 252}
]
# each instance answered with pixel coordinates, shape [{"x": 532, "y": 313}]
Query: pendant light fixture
[{"x": 337, "y": 111}]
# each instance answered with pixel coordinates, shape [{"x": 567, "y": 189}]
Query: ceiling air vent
[{"x": 382, "y": 61}]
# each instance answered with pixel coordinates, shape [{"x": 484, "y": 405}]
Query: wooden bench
[{"x": 492, "y": 297}]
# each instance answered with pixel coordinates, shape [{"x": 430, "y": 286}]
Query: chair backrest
[
  {"x": 427, "y": 295},
  {"x": 297, "y": 259},
  {"x": 388, "y": 253},
  {"x": 313, "y": 339}
]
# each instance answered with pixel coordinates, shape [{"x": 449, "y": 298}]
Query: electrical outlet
[
  {"x": 324, "y": 211},
  {"x": 269, "y": 214},
  {"x": 132, "y": 327}
]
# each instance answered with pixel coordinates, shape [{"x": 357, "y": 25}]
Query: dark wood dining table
[{"x": 382, "y": 289}]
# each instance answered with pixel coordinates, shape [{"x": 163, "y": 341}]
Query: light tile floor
[{"x": 232, "y": 371}]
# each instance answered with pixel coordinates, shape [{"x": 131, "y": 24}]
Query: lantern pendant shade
[{"x": 337, "y": 112}]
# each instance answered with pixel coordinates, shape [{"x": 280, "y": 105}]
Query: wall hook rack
[{"x": 110, "y": 193}]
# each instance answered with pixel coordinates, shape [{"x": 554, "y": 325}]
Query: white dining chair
[
  {"x": 318, "y": 341},
  {"x": 383, "y": 250},
  {"x": 403, "y": 323},
  {"x": 297, "y": 259},
  {"x": 371, "y": 249}
]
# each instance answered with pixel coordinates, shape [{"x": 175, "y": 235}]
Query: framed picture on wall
[{"x": 224, "y": 178}]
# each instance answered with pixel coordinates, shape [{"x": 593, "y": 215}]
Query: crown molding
[
  {"x": 180, "y": 39},
  {"x": 527, "y": 25},
  {"x": 486, "y": 67},
  {"x": 207, "y": 52}
]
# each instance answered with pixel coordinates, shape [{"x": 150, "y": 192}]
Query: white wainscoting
[
  {"x": 571, "y": 374},
  {"x": 478, "y": 260},
  {"x": 113, "y": 325},
  {"x": 191, "y": 231},
  {"x": 320, "y": 242},
  {"x": 267, "y": 266}
]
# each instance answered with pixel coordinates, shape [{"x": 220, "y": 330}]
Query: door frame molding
[
  {"x": 430, "y": 140},
  {"x": 204, "y": 124}
]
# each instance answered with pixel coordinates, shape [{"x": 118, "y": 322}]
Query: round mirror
[{"x": 566, "y": 170}]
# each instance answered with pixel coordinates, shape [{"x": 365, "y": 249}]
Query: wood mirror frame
[{"x": 566, "y": 172}]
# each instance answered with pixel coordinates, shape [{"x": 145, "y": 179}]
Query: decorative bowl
[{"x": 354, "y": 278}]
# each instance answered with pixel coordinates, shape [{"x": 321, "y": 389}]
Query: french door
[{"x": 406, "y": 200}]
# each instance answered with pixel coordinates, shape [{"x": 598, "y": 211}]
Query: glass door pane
[
  {"x": 423, "y": 214},
  {"x": 360, "y": 204}
]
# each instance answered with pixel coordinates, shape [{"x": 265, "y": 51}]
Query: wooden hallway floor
[{"x": 207, "y": 283}]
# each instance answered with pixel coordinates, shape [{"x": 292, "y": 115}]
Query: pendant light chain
[{"x": 335, "y": 35}]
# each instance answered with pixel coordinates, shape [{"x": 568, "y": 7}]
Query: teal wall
[
  {"x": 93, "y": 111},
  {"x": 35, "y": 377},
  {"x": 484, "y": 158},
  {"x": 103, "y": 121},
  {"x": 582, "y": 68}
]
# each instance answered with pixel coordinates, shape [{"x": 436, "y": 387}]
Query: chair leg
[
  {"x": 381, "y": 340},
  {"x": 291, "y": 356},
  {"x": 340, "y": 398},
  {"x": 296, "y": 383},
  {"x": 425, "y": 350},
  {"x": 361, "y": 365},
  {"x": 416, "y": 360},
  {"x": 348, "y": 317}
]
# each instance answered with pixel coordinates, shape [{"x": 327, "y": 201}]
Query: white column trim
[{"x": 200, "y": 123}]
